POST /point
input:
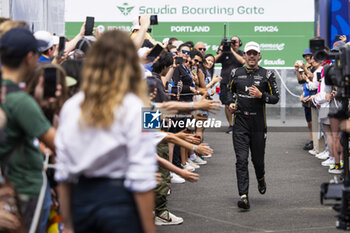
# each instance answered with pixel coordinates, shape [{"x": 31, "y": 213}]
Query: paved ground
[{"x": 291, "y": 203}]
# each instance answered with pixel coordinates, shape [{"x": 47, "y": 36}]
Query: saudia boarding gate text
[{"x": 280, "y": 27}]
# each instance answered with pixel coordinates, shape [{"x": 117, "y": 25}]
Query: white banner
[{"x": 192, "y": 11}]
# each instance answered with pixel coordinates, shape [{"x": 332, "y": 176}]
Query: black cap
[{"x": 19, "y": 41}]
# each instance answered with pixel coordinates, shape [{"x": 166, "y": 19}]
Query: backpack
[{"x": 5, "y": 90}]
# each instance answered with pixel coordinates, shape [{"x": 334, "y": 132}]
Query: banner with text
[{"x": 282, "y": 28}]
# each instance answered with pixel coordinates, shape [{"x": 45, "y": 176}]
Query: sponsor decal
[
  {"x": 265, "y": 29},
  {"x": 125, "y": 9},
  {"x": 279, "y": 61},
  {"x": 276, "y": 47},
  {"x": 190, "y": 29}
]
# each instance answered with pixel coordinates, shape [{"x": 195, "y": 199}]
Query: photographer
[{"x": 230, "y": 58}]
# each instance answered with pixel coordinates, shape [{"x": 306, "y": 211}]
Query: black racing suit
[{"x": 249, "y": 130}]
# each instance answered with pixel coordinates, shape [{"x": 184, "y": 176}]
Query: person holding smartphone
[
  {"x": 312, "y": 84},
  {"x": 183, "y": 73},
  {"x": 139, "y": 30},
  {"x": 47, "y": 51},
  {"x": 304, "y": 71}
]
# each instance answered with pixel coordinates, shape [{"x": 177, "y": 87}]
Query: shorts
[
  {"x": 307, "y": 114},
  {"x": 325, "y": 121}
]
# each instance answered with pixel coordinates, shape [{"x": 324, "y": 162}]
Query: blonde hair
[
  {"x": 9, "y": 24},
  {"x": 110, "y": 71}
]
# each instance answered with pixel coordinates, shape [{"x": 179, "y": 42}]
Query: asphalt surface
[{"x": 291, "y": 203}]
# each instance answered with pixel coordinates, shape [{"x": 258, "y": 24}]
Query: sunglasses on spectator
[
  {"x": 252, "y": 52},
  {"x": 197, "y": 61},
  {"x": 186, "y": 52},
  {"x": 204, "y": 49}
]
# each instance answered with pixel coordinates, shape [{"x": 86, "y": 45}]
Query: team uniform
[{"x": 249, "y": 130}]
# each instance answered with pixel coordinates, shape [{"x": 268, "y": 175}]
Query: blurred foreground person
[
  {"x": 26, "y": 125},
  {"x": 105, "y": 164}
]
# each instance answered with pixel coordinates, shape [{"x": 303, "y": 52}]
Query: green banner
[{"x": 281, "y": 43}]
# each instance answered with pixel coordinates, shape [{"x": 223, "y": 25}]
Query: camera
[
  {"x": 337, "y": 74},
  {"x": 226, "y": 44}
]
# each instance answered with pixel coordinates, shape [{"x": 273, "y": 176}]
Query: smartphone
[
  {"x": 337, "y": 37},
  {"x": 195, "y": 69},
  {"x": 89, "y": 25},
  {"x": 61, "y": 46},
  {"x": 151, "y": 83},
  {"x": 50, "y": 82},
  {"x": 154, "y": 19},
  {"x": 300, "y": 62},
  {"x": 179, "y": 60},
  {"x": 318, "y": 76},
  {"x": 155, "y": 52}
]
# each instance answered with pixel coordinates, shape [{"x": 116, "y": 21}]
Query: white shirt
[
  {"x": 122, "y": 151},
  {"x": 315, "y": 83}
]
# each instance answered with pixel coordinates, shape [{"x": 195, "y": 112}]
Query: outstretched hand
[{"x": 189, "y": 176}]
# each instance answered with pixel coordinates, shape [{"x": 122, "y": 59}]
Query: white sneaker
[
  {"x": 207, "y": 156},
  {"x": 312, "y": 152},
  {"x": 167, "y": 218},
  {"x": 336, "y": 171},
  {"x": 193, "y": 164},
  {"x": 199, "y": 161},
  {"x": 327, "y": 162},
  {"x": 323, "y": 155},
  {"x": 188, "y": 166},
  {"x": 176, "y": 179}
]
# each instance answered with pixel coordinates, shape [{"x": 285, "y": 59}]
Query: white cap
[
  {"x": 177, "y": 43},
  {"x": 165, "y": 40},
  {"x": 135, "y": 24},
  {"x": 56, "y": 40},
  {"x": 252, "y": 46},
  {"x": 44, "y": 36}
]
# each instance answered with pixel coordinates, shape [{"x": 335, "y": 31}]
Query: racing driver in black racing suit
[{"x": 251, "y": 87}]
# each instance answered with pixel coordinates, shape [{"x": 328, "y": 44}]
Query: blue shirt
[
  {"x": 44, "y": 59},
  {"x": 305, "y": 90}
]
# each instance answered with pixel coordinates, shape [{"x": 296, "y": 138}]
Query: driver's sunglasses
[
  {"x": 186, "y": 52},
  {"x": 204, "y": 49},
  {"x": 252, "y": 52}
]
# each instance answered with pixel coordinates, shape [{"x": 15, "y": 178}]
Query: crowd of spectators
[
  {"x": 73, "y": 128},
  {"x": 86, "y": 124},
  {"x": 322, "y": 104}
]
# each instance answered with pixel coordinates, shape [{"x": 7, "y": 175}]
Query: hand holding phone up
[
  {"x": 50, "y": 82},
  {"x": 89, "y": 25},
  {"x": 155, "y": 52},
  {"x": 61, "y": 46}
]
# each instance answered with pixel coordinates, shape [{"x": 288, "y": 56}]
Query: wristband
[
  {"x": 195, "y": 148},
  {"x": 192, "y": 106}
]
